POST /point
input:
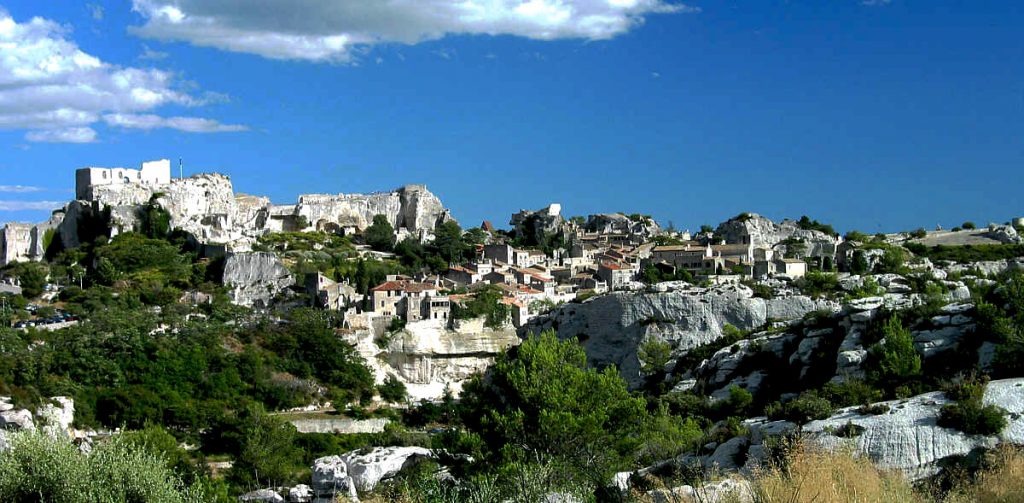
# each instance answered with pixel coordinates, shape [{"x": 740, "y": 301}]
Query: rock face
[
  {"x": 612, "y": 327},
  {"x": 56, "y": 417},
  {"x": 261, "y": 496},
  {"x": 412, "y": 208},
  {"x": 254, "y": 278},
  {"x": 537, "y": 224},
  {"x": 907, "y": 437},
  {"x": 430, "y": 358},
  {"x": 618, "y": 223},
  {"x": 207, "y": 207},
  {"x": 764, "y": 233},
  {"x": 368, "y": 469}
]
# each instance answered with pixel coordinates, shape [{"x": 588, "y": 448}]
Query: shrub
[
  {"x": 392, "y": 390},
  {"x": 896, "y": 356},
  {"x": 968, "y": 225},
  {"x": 807, "y": 407},
  {"x": 973, "y": 418},
  {"x": 40, "y": 468},
  {"x": 380, "y": 235},
  {"x": 817, "y": 284},
  {"x": 918, "y": 233}
]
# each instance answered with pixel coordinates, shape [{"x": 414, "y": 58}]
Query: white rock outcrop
[
  {"x": 254, "y": 278},
  {"x": 612, "y": 327},
  {"x": 367, "y": 469},
  {"x": 331, "y": 479}
]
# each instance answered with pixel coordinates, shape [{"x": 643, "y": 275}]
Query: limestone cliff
[
  {"x": 612, "y": 327},
  {"x": 428, "y": 357},
  {"x": 764, "y": 233},
  {"x": 254, "y": 279}
]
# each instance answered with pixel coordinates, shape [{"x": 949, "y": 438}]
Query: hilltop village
[{"x": 368, "y": 334}]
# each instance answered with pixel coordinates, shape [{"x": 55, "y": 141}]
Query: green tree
[
  {"x": 544, "y": 404},
  {"x": 448, "y": 242},
  {"x": 392, "y": 390},
  {"x": 897, "y": 358},
  {"x": 268, "y": 456},
  {"x": 968, "y": 225},
  {"x": 32, "y": 276},
  {"x": 380, "y": 235},
  {"x": 860, "y": 262},
  {"x": 654, "y": 355},
  {"x": 154, "y": 220}
]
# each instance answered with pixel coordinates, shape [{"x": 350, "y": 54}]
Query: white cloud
[
  {"x": 336, "y": 30},
  {"x": 19, "y": 189},
  {"x": 63, "y": 135},
  {"x": 148, "y": 53},
  {"x": 188, "y": 124},
  {"x": 50, "y": 86},
  {"x": 96, "y": 11},
  {"x": 29, "y": 205}
]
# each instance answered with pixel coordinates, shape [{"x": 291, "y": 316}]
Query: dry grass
[
  {"x": 813, "y": 475},
  {"x": 1003, "y": 482}
]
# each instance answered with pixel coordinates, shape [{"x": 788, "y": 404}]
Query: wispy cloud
[
  {"x": 29, "y": 205},
  {"x": 20, "y": 189},
  {"x": 187, "y": 124},
  {"x": 96, "y": 11},
  {"x": 150, "y": 54},
  {"x": 63, "y": 135}
]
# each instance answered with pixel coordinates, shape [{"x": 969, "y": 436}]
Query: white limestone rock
[
  {"x": 727, "y": 490},
  {"x": 254, "y": 278},
  {"x": 367, "y": 469},
  {"x": 612, "y": 326},
  {"x": 261, "y": 496},
  {"x": 331, "y": 478},
  {"x": 908, "y": 439},
  {"x": 300, "y": 494},
  {"x": 17, "y": 419},
  {"x": 56, "y": 417}
]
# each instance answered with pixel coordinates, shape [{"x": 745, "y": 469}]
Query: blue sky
[{"x": 879, "y": 115}]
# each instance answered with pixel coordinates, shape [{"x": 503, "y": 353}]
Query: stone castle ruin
[{"x": 207, "y": 207}]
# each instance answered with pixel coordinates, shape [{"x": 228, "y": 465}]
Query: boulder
[
  {"x": 261, "y": 496},
  {"x": 331, "y": 478},
  {"x": 300, "y": 494},
  {"x": 17, "y": 419},
  {"x": 727, "y": 490},
  {"x": 367, "y": 469},
  {"x": 56, "y": 417}
]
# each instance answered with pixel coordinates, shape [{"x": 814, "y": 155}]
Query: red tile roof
[{"x": 403, "y": 286}]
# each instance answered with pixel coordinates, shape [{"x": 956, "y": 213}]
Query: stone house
[
  {"x": 329, "y": 294},
  {"x": 151, "y": 174},
  {"x": 792, "y": 268},
  {"x": 617, "y": 275},
  {"x": 410, "y": 300}
]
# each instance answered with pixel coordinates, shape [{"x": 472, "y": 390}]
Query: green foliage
[
  {"x": 551, "y": 407},
  {"x": 761, "y": 290},
  {"x": 814, "y": 225},
  {"x": 859, "y": 264},
  {"x": 809, "y": 406},
  {"x": 968, "y": 225},
  {"x": 973, "y": 417},
  {"x": 918, "y": 233},
  {"x": 654, "y": 354},
  {"x": 154, "y": 220},
  {"x": 896, "y": 358},
  {"x": 268, "y": 456},
  {"x": 140, "y": 259},
  {"x": 651, "y": 275},
  {"x": 819, "y": 284},
  {"x": 485, "y": 302},
  {"x": 967, "y": 253},
  {"x": 868, "y": 288},
  {"x": 380, "y": 235},
  {"x": 856, "y": 236},
  {"x": 706, "y": 229},
  {"x": 893, "y": 261},
  {"x": 392, "y": 390},
  {"x": 32, "y": 276},
  {"x": 448, "y": 242},
  {"x": 40, "y": 468}
]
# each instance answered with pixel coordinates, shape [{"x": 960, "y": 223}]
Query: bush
[
  {"x": 817, "y": 284},
  {"x": 973, "y": 418},
  {"x": 40, "y": 468},
  {"x": 380, "y": 235},
  {"x": 896, "y": 358},
  {"x": 968, "y": 225},
  {"x": 392, "y": 390},
  {"x": 807, "y": 407}
]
